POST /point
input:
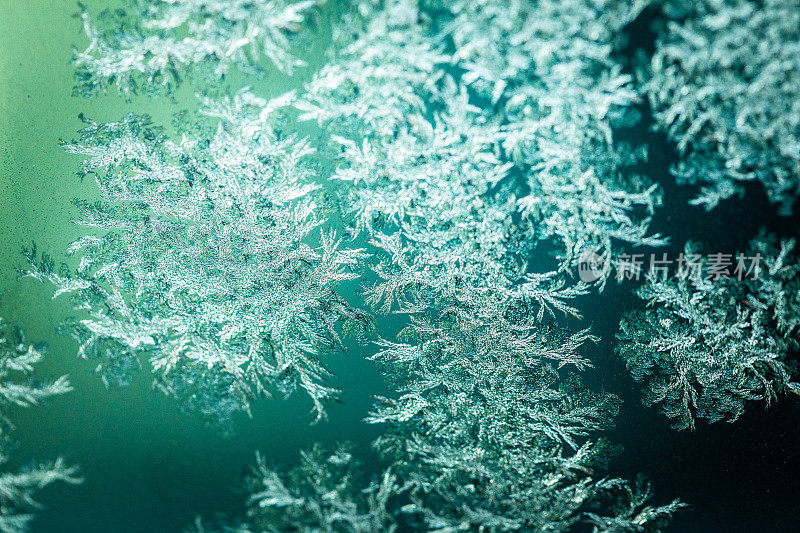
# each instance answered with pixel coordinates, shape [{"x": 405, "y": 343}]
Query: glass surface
[{"x": 147, "y": 465}]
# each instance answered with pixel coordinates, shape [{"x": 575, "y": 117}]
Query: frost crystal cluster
[
  {"x": 457, "y": 138},
  {"x": 447, "y": 145},
  {"x": 547, "y": 71},
  {"x": 710, "y": 345},
  {"x": 17, "y": 388},
  {"x": 725, "y": 85},
  {"x": 206, "y": 258},
  {"x": 485, "y": 431},
  {"x": 325, "y": 492},
  {"x": 140, "y": 46},
  {"x": 418, "y": 161}
]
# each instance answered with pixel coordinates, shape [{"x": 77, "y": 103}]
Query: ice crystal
[
  {"x": 484, "y": 432},
  {"x": 206, "y": 258},
  {"x": 708, "y": 347},
  {"x": 324, "y": 492},
  {"x": 548, "y": 71},
  {"x": 384, "y": 73},
  {"x": 18, "y": 487},
  {"x": 142, "y": 48},
  {"x": 629, "y": 508},
  {"x": 463, "y": 134},
  {"x": 553, "y": 104},
  {"x": 725, "y": 84},
  {"x": 18, "y": 357},
  {"x": 424, "y": 198},
  {"x": 423, "y": 166},
  {"x": 429, "y": 173}
]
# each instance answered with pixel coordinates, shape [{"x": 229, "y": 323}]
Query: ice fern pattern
[
  {"x": 725, "y": 85},
  {"x": 206, "y": 258},
  {"x": 708, "y": 347},
  {"x": 456, "y": 142},
  {"x": 18, "y": 388},
  {"x": 546, "y": 70},
  {"x": 485, "y": 433},
  {"x": 327, "y": 490},
  {"x": 138, "y": 47},
  {"x": 420, "y": 154}
]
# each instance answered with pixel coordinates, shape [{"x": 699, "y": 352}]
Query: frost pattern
[
  {"x": 207, "y": 258},
  {"x": 142, "y": 48},
  {"x": 323, "y": 491},
  {"x": 18, "y": 487},
  {"x": 708, "y": 347},
  {"x": 422, "y": 156},
  {"x": 725, "y": 85},
  {"x": 546, "y": 69},
  {"x": 453, "y": 172},
  {"x": 418, "y": 161},
  {"x": 485, "y": 433}
]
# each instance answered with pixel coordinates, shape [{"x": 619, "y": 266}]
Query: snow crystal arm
[
  {"x": 707, "y": 348},
  {"x": 18, "y": 487},
  {"x": 725, "y": 85},
  {"x": 141, "y": 49}
]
